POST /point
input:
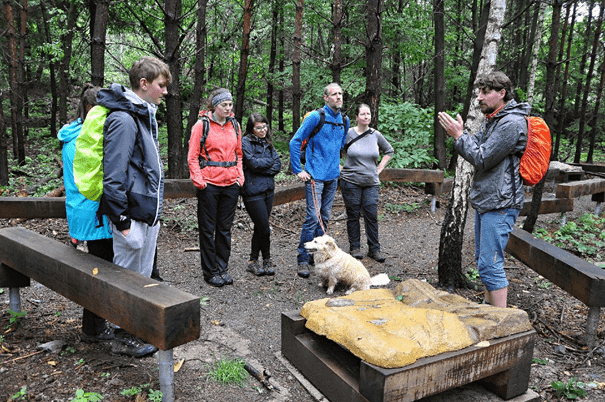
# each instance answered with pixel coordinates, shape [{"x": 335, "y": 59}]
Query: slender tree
[
  {"x": 595, "y": 113},
  {"x": 296, "y": 58},
  {"x": 336, "y": 65},
  {"x": 593, "y": 58},
  {"x": 534, "y": 62},
  {"x": 99, "y": 14},
  {"x": 452, "y": 230},
  {"x": 243, "y": 61},
  {"x": 374, "y": 57},
  {"x": 276, "y": 5},
  {"x": 439, "y": 60},
  {"x": 3, "y": 145}
]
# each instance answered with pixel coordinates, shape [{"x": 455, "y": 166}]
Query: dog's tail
[{"x": 380, "y": 280}]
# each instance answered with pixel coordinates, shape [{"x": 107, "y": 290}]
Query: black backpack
[
  {"x": 205, "y": 130},
  {"x": 322, "y": 121}
]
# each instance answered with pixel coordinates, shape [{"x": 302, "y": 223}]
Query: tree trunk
[
  {"x": 452, "y": 231},
  {"x": 593, "y": 58},
  {"x": 527, "y": 54},
  {"x": 534, "y": 62},
  {"x": 51, "y": 66},
  {"x": 16, "y": 99},
  {"x": 174, "y": 111},
  {"x": 296, "y": 91},
  {"x": 3, "y": 145},
  {"x": 595, "y": 115},
  {"x": 243, "y": 62},
  {"x": 277, "y": 4},
  {"x": 200, "y": 60},
  {"x": 280, "y": 94},
  {"x": 336, "y": 65},
  {"x": 374, "y": 57},
  {"x": 64, "y": 65},
  {"x": 439, "y": 140},
  {"x": 97, "y": 46},
  {"x": 477, "y": 49},
  {"x": 563, "y": 97},
  {"x": 584, "y": 52},
  {"x": 550, "y": 96}
]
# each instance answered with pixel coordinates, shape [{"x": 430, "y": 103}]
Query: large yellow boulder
[{"x": 378, "y": 328}]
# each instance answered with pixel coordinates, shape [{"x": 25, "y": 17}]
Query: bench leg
[
  {"x": 592, "y": 326},
  {"x": 166, "y": 362},
  {"x": 433, "y": 203},
  {"x": 563, "y": 219},
  {"x": 14, "y": 303},
  {"x": 597, "y": 209}
]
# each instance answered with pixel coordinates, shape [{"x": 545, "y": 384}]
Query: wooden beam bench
[
  {"x": 155, "y": 312},
  {"x": 503, "y": 367},
  {"x": 593, "y": 187},
  {"x": 579, "y": 278}
]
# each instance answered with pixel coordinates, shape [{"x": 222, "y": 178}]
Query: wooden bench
[
  {"x": 502, "y": 367},
  {"x": 594, "y": 187},
  {"x": 155, "y": 312},
  {"x": 579, "y": 278}
]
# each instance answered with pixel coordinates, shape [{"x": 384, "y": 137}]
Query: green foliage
[
  {"x": 586, "y": 236},
  {"x": 15, "y": 317},
  {"x": 397, "y": 208},
  {"x": 228, "y": 372},
  {"x": 82, "y": 396},
  {"x": 542, "y": 362},
  {"x": 204, "y": 300},
  {"x": 472, "y": 274},
  {"x": 409, "y": 130},
  {"x": 21, "y": 395},
  {"x": 131, "y": 391},
  {"x": 573, "y": 389}
]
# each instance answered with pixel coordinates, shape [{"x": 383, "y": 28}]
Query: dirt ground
[{"x": 244, "y": 319}]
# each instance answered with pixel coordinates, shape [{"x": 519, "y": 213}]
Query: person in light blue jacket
[{"x": 82, "y": 212}]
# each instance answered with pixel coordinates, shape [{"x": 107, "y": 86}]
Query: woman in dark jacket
[{"x": 261, "y": 164}]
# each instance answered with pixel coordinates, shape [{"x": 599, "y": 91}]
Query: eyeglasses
[{"x": 260, "y": 128}]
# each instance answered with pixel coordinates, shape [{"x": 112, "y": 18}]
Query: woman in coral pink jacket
[{"x": 215, "y": 165}]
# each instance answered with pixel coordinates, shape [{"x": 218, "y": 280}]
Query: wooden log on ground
[
  {"x": 580, "y": 188},
  {"x": 412, "y": 175},
  {"x": 159, "y": 314},
  {"x": 549, "y": 206},
  {"x": 590, "y": 167}
]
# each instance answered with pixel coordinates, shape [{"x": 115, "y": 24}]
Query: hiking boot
[
  {"x": 268, "y": 266},
  {"x": 356, "y": 253},
  {"x": 227, "y": 279},
  {"x": 130, "y": 345},
  {"x": 254, "y": 268},
  {"x": 216, "y": 280},
  {"x": 376, "y": 256},
  {"x": 303, "y": 270},
  {"x": 105, "y": 332}
]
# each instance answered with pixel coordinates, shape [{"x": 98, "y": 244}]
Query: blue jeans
[
  {"x": 324, "y": 192},
  {"x": 359, "y": 199},
  {"x": 492, "y": 230}
]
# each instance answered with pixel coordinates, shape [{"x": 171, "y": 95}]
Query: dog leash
[{"x": 316, "y": 204}]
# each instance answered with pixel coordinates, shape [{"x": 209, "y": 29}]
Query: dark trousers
[
  {"x": 259, "y": 208},
  {"x": 215, "y": 212},
  {"x": 92, "y": 324},
  {"x": 359, "y": 199}
]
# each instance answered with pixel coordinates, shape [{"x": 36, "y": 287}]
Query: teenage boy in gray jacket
[
  {"x": 133, "y": 182},
  {"x": 497, "y": 190}
]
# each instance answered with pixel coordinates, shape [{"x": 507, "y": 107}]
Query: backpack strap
[
  {"x": 360, "y": 136},
  {"x": 205, "y": 130}
]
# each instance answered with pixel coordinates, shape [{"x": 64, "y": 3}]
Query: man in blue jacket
[
  {"x": 133, "y": 180},
  {"x": 497, "y": 190},
  {"x": 322, "y": 168}
]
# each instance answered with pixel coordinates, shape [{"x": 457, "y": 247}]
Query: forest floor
[{"x": 244, "y": 319}]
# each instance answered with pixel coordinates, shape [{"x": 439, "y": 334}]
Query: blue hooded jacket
[{"x": 81, "y": 212}]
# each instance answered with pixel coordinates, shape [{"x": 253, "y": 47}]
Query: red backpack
[{"x": 536, "y": 158}]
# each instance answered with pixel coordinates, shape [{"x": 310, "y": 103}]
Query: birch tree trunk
[{"x": 452, "y": 231}]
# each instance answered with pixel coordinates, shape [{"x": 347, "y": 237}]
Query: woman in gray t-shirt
[{"x": 359, "y": 181}]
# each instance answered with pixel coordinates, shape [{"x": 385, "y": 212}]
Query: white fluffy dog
[{"x": 334, "y": 265}]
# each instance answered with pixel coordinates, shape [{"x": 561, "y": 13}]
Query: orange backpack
[{"x": 536, "y": 158}]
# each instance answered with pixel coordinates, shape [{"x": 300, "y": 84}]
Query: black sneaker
[
  {"x": 303, "y": 270},
  {"x": 105, "y": 332},
  {"x": 268, "y": 266},
  {"x": 216, "y": 280},
  {"x": 254, "y": 268},
  {"x": 130, "y": 345},
  {"x": 227, "y": 279}
]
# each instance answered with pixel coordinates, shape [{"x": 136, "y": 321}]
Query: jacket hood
[
  {"x": 70, "y": 131},
  {"x": 208, "y": 114},
  {"x": 118, "y": 97},
  {"x": 514, "y": 108}
]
